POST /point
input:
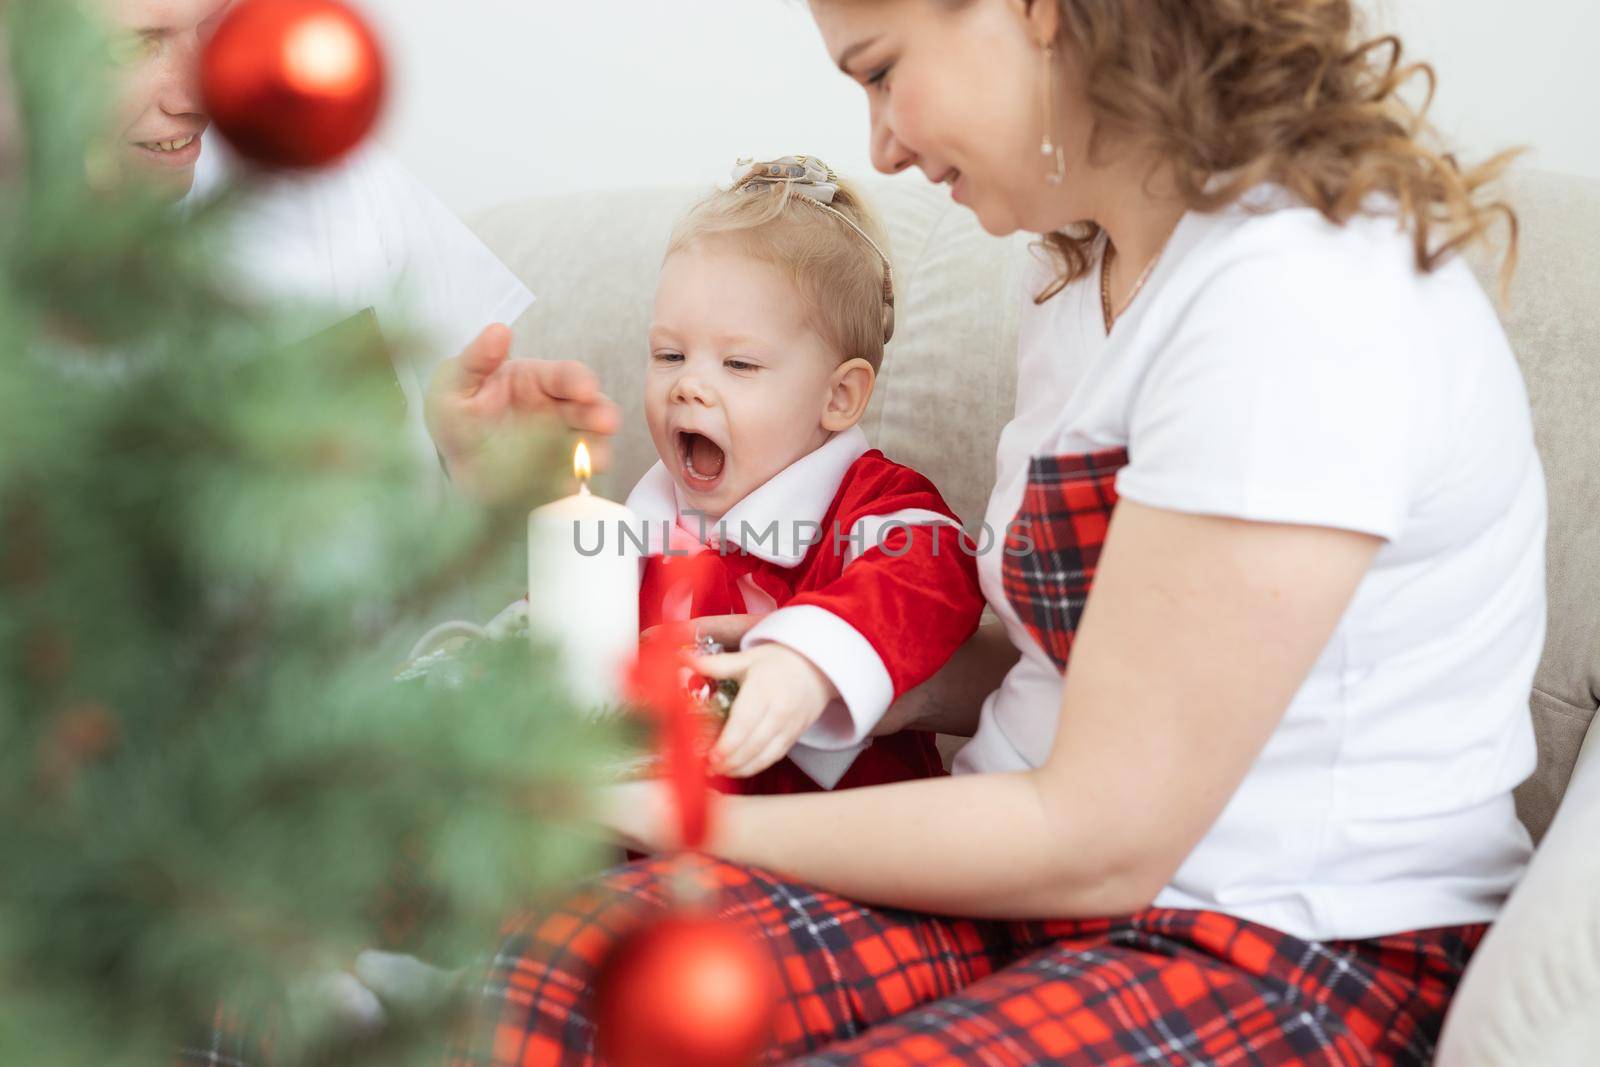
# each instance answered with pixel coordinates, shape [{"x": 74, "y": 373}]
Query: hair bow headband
[{"x": 813, "y": 179}]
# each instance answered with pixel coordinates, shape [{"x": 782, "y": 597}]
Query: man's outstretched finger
[
  {"x": 576, "y": 392},
  {"x": 532, "y": 386},
  {"x": 567, "y": 379},
  {"x": 601, "y": 417},
  {"x": 482, "y": 357}
]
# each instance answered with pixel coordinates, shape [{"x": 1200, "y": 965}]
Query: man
[{"x": 361, "y": 234}]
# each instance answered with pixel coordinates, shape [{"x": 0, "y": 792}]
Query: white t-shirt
[
  {"x": 1282, "y": 369},
  {"x": 366, "y": 234}
]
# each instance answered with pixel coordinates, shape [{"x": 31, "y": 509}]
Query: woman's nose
[{"x": 888, "y": 154}]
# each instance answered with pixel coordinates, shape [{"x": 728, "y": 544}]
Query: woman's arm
[
  {"x": 1196, "y": 636},
  {"x": 949, "y": 702}
]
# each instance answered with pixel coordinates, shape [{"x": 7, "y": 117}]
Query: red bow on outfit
[{"x": 716, "y": 585}]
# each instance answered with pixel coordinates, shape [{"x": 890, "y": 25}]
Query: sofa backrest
[
  {"x": 1553, "y": 320},
  {"x": 949, "y": 377}
]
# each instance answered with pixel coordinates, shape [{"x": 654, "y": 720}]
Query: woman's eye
[{"x": 876, "y": 78}]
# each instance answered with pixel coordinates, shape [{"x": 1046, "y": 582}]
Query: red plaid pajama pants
[{"x": 882, "y": 987}]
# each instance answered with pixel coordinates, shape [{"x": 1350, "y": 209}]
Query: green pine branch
[{"x": 212, "y": 556}]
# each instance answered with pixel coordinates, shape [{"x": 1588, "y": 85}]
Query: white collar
[{"x": 792, "y": 502}]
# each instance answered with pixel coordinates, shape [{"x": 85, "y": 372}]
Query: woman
[{"x": 1263, "y": 410}]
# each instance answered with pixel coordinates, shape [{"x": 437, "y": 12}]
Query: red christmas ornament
[
  {"x": 684, "y": 991},
  {"x": 292, "y": 83}
]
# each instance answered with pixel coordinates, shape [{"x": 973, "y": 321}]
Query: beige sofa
[{"x": 1532, "y": 997}]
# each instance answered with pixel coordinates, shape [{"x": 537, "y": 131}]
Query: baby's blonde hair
[{"x": 840, "y": 274}]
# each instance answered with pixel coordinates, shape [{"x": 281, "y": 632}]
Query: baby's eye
[
  {"x": 667, "y": 357},
  {"x": 739, "y": 364}
]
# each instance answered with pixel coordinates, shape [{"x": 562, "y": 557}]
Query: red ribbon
[{"x": 656, "y": 683}]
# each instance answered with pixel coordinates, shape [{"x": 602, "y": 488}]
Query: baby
[
  {"x": 774, "y": 303},
  {"x": 773, "y": 306}
]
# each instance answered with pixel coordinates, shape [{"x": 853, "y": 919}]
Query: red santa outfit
[{"x": 857, "y": 564}]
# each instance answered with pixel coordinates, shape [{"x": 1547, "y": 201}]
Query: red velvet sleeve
[{"x": 913, "y": 594}]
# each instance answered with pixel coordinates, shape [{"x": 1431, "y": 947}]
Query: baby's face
[{"x": 738, "y": 380}]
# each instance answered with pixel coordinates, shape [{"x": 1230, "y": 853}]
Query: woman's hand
[
  {"x": 639, "y": 814},
  {"x": 482, "y": 394},
  {"x": 951, "y": 701},
  {"x": 781, "y": 693}
]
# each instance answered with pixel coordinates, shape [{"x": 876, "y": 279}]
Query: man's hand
[
  {"x": 781, "y": 693},
  {"x": 482, "y": 393}
]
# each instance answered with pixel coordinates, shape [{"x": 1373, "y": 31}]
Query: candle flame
[{"x": 581, "y": 466}]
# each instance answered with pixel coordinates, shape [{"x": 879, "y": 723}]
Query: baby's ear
[{"x": 849, "y": 391}]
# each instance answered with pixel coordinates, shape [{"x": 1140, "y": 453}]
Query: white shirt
[
  {"x": 793, "y": 503},
  {"x": 1281, "y": 369},
  {"x": 365, "y": 233}
]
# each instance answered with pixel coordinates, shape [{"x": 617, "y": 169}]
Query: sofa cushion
[{"x": 1530, "y": 995}]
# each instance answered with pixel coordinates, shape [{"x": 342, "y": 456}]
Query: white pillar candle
[{"x": 583, "y": 588}]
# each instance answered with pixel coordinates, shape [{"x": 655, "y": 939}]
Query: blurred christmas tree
[{"x": 211, "y": 786}]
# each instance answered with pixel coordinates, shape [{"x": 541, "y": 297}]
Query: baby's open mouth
[{"x": 701, "y": 459}]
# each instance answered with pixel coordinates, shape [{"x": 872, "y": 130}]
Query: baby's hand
[{"x": 781, "y": 693}]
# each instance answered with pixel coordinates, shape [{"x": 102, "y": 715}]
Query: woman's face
[{"x": 958, "y": 90}]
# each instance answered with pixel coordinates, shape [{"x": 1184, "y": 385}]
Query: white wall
[
  {"x": 1511, "y": 72},
  {"x": 498, "y": 99}
]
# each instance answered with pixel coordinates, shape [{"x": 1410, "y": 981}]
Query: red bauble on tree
[
  {"x": 684, "y": 991},
  {"x": 293, "y": 83}
]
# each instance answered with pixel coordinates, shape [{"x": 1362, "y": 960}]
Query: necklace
[{"x": 1111, "y": 314}]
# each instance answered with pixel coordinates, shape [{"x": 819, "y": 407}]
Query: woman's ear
[
  {"x": 1043, "y": 18},
  {"x": 849, "y": 391}
]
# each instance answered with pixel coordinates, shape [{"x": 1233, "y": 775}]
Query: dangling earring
[{"x": 1048, "y": 146}]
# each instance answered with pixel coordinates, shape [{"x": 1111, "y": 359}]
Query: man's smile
[{"x": 181, "y": 151}]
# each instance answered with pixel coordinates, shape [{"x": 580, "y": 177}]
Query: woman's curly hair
[{"x": 1231, "y": 93}]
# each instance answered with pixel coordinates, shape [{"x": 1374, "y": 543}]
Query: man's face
[{"x": 158, "y": 121}]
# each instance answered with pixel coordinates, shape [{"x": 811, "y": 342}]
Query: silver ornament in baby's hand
[{"x": 716, "y": 695}]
